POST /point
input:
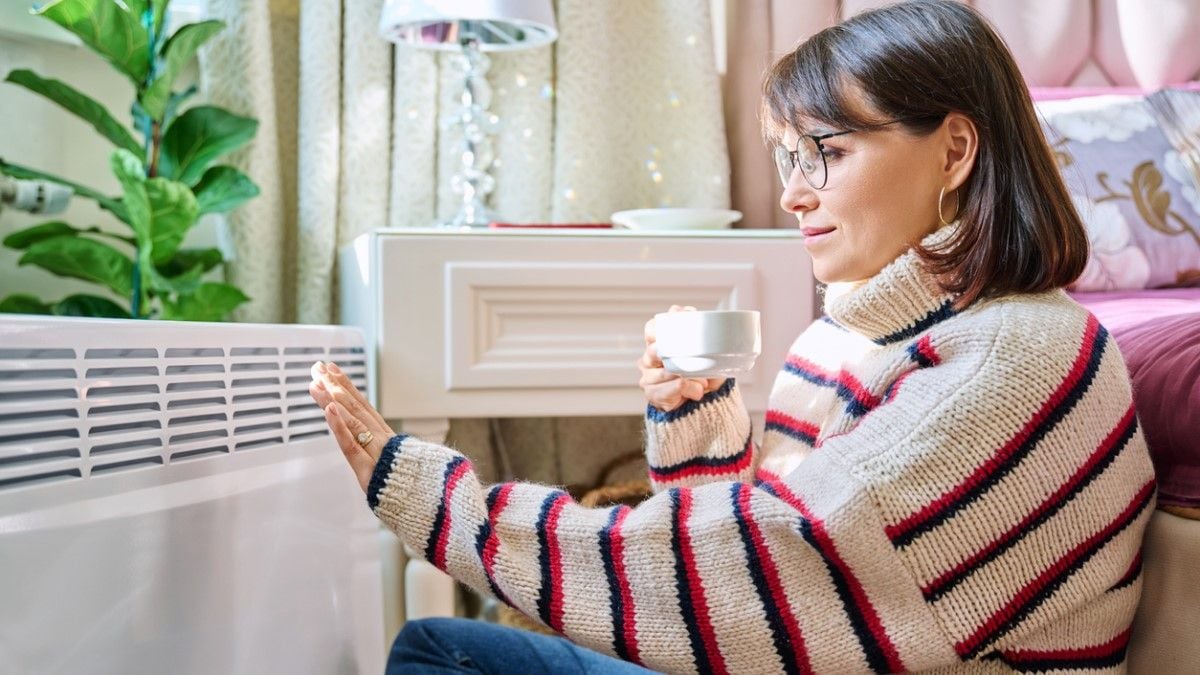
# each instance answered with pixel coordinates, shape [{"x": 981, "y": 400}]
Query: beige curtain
[
  {"x": 757, "y": 33},
  {"x": 624, "y": 111}
]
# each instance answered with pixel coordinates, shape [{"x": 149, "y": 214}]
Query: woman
[{"x": 952, "y": 476}]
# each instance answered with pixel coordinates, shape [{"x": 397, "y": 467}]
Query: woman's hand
[
  {"x": 666, "y": 390},
  {"x": 359, "y": 428}
]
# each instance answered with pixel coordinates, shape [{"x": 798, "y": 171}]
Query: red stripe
[
  {"x": 556, "y": 571},
  {"x": 955, "y": 493},
  {"x": 699, "y": 602},
  {"x": 874, "y": 624},
  {"x": 775, "y": 584},
  {"x": 765, "y": 476},
  {"x": 629, "y": 627},
  {"x": 1033, "y": 587},
  {"x": 439, "y": 556},
  {"x": 843, "y": 377},
  {"x": 493, "y": 541},
  {"x": 743, "y": 461},
  {"x": 1135, "y": 568},
  {"x": 785, "y": 420},
  {"x": 925, "y": 347},
  {"x": 1096, "y": 457},
  {"x": 1100, "y": 651}
]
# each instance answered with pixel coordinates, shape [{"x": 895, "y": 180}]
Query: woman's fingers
[
  {"x": 334, "y": 380},
  {"x": 358, "y": 457},
  {"x": 670, "y": 394}
]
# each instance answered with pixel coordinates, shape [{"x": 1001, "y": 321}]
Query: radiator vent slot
[{"x": 71, "y": 414}]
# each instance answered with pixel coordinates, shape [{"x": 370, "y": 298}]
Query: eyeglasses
[{"x": 809, "y": 156}]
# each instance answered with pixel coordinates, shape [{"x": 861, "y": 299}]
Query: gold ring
[{"x": 364, "y": 438}]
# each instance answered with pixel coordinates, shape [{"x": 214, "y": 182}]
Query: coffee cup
[{"x": 713, "y": 343}]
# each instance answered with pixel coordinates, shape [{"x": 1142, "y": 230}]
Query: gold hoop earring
[{"x": 941, "y": 194}]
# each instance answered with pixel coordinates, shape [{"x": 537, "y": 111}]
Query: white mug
[{"x": 715, "y": 343}]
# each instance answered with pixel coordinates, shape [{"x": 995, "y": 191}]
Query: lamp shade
[{"x": 496, "y": 25}]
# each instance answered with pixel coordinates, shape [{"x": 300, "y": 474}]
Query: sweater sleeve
[
  {"x": 790, "y": 575},
  {"x": 701, "y": 441},
  {"x": 989, "y": 507}
]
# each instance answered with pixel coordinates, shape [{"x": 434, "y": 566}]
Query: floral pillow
[{"x": 1132, "y": 166}]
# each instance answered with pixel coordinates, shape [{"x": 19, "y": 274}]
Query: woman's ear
[{"x": 961, "y": 145}]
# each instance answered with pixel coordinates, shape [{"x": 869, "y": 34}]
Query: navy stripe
[
  {"x": 854, "y": 407},
  {"x": 689, "y": 406},
  {"x": 779, "y": 634},
  {"x": 990, "y": 480},
  {"x": 439, "y": 520},
  {"x": 829, "y": 320},
  {"x": 1046, "y": 664},
  {"x": 1049, "y": 589},
  {"x": 710, "y": 462},
  {"x": 801, "y": 436},
  {"x": 543, "y": 601},
  {"x": 914, "y": 353},
  {"x": 1129, "y": 578},
  {"x": 871, "y": 648},
  {"x": 616, "y": 603},
  {"x": 481, "y": 538},
  {"x": 684, "y": 593},
  {"x": 1037, "y": 522},
  {"x": 382, "y": 468},
  {"x": 934, "y": 317}
]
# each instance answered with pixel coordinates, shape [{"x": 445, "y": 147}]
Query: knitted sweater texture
[{"x": 957, "y": 491}]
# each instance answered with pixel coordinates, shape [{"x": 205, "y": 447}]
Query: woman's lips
[{"x": 814, "y": 234}]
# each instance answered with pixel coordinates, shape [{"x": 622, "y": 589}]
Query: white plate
[{"x": 676, "y": 219}]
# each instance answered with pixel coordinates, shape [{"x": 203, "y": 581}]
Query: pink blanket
[{"x": 1158, "y": 332}]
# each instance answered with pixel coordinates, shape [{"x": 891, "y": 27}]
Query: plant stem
[{"x": 156, "y": 145}]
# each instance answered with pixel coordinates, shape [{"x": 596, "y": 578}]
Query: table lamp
[{"x": 471, "y": 28}]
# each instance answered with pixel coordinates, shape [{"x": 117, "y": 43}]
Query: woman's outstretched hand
[
  {"x": 666, "y": 390},
  {"x": 359, "y": 428}
]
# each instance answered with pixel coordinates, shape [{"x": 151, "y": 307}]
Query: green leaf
[
  {"x": 109, "y": 30},
  {"x": 79, "y": 104},
  {"x": 211, "y": 302},
  {"x": 197, "y": 138},
  {"x": 24, "y": 173},
  {"x": 89, "y": 305},
  {"x": 23, "y": 303},
  {"x": 138, "y": 7},
  {"x": 182, "y": 284},
  {"x": 187, "y": 258},
  {"x": 173, "y": 211},
  {"x": 132, "y": 174},
  {"x": 177, "y": 100},
  {"x": 224, "y": 188},
  {"x": 82, "y": 258},
  {"x": 176, "y": 53},
  {"x": 22, "y": 239}
]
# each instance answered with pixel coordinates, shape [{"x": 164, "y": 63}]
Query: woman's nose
[{"x": 798, "y": 196}]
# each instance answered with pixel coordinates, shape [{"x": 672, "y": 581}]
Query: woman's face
[{"x": 880, "y": 198}]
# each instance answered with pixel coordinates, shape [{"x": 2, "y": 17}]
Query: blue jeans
[{"x": 467, "y": 646}]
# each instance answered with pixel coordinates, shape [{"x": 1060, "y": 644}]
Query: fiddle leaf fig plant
[{"x": 169, "y": 178}]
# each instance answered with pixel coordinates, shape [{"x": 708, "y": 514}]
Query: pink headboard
[{"x": 1071, "y": 43}]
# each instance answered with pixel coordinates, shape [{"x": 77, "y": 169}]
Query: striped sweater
[{"x": 957, "y": 491}]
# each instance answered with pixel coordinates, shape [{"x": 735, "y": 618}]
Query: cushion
[
  {"x": 1132, "y": 166},
  {"x": 1158, "y": 333}
]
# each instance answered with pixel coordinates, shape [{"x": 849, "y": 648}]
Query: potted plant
[{"x": 169, "y": 178}]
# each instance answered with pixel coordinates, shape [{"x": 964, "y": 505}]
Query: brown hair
[{"x": 917, "y": 61}]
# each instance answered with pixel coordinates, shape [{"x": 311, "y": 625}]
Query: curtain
[{"x": 623, "y": 111}]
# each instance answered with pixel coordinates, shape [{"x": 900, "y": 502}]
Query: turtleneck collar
[{"x": 898, "y": 303}]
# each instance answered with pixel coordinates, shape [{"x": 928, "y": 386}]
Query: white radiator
[{"x": 171, "y": 502}]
